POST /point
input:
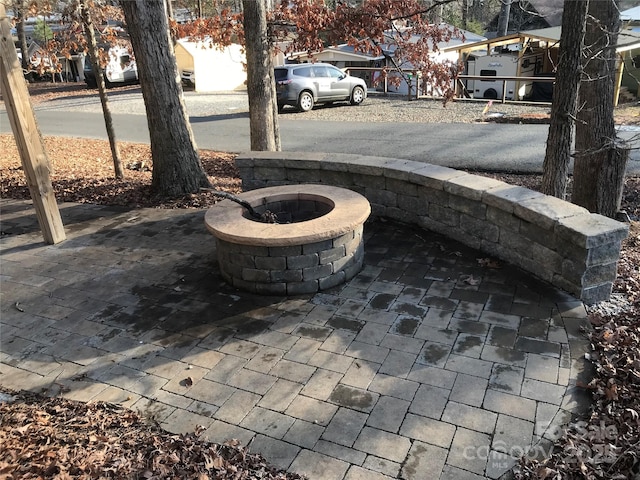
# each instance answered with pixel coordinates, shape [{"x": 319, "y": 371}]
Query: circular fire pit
[{"x": 317, "y": 243}]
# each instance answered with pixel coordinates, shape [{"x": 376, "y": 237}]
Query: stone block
[
  {"x": 444, "y": 215},
  {"x": 272, "y": 173},
  {"x": 504, "y": 220},
  {"x": 285, "y": 251},
  {"x": 299, "y": 175},
  {"x": 316, "y": 247},
  {"x": 472, "y": 208},
  {"x": 591, "y": 230},
  {"x": 370, "y": 182},
  {"x": 300, "y": 288},
  {"x": 353, "y": 245},
  {"x": 537, "y": 234},
  {"x": 267, "y": 263},
  {"x": 303, "y": 261},
  {"x": 400, "y": 169},
  {"x": 343, "y": 239},
  {"x": 291, "y": 275},
  {"x": 338, "y": 179},
  {"x": 596, "y": 293},
  {"x": 400, "y": 215},
  {"x": 434, "y": 176},
  {"x": 505, "y": 198},
  {"x": 332, "y": 280},
  {"x": 343, "y": 263},
  {"x": 479, "y": 228},
  {"x": 430, "y": 195},
  {"x": 255, "y": 275},
  {"x": 362, "y": 165},
  {"x": 471, "y": 186},
  {"x": 605, "y": 253},
  {"x": 316, "y": 272},
  {"x": 353, "y": 269},
  {"x": 243, "y": 249},
  {"x": 549, "y": 261},
  {"x": 412, "y": 203},
  {"x": 336, "y": 162},
  {"x": 302, "y": 162},
  {"x": 382, "y": 197},
  {"x": 545, "y": 210},
  {"x": 516, "y": 243},
  {"x": 401, "y": 186},
  {"x": 580, "y": 274},
  {"x": 329, "y": 256}
]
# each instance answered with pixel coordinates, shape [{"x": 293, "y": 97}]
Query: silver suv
[{"x": 304, "y": 85}]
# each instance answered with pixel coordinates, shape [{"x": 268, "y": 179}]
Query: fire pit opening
[
  {"x": 292, "y": 210},
  {"x": 317, "y": 242}
]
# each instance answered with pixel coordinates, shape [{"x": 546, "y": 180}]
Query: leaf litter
[{"x": 52, "y": 437}]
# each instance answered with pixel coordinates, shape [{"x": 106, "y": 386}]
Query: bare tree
[
  {"x": 94, "y": 56},
  {"x": 565, "y": 94},
  {"x": 176, "y": 166},
  {"x": 263, "y": 108},
  {"x": 600, "y": 157},
  {"x": 20, "y": 12}
]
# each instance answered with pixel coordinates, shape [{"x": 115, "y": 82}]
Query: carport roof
[{"x": 627, "y": 39}]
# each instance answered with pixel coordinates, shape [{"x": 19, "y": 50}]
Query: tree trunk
[
  {"x": 19, "y": 10},
  {"x": 565, "y": 93},
  {"x": 600, "y": 157},
  {"x": 503, "y": 18},
  {"x": 465, "y": 13},
  {"x": 176, "y": 167},
  {"x": 92, "y": 45},
  {"x": 261, "y": 87}
]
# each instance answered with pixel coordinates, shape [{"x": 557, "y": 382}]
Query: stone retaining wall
[{"x": 555, "y": 240}]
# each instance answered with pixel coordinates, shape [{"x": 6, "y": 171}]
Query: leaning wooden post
[{"x": 35, "y": 161}]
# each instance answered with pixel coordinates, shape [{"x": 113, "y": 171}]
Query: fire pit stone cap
[{"x": 226, "y": 220}]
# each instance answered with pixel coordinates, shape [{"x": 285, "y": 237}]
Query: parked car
[
  {"x": 121, "y": 69},
  {"x": 305, "y": 85}
]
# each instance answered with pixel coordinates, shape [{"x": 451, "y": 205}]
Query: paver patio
[{"x": 426, "y": 365}]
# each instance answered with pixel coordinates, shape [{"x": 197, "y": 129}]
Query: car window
[
  {"x": 320, "y": 71},
  {"x": 335, "y": 73},
  {"x": 303, "y": 72},
  {"x": 281, "y": 74}
]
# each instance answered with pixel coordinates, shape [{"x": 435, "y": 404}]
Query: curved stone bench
[{"x": 554, "y": 240}]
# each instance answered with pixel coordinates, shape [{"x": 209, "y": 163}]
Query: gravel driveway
[{"x": 376, "y": 108}]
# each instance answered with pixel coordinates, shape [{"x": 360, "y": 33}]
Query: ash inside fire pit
[
  {"x": 291, "y": 211},
  {"x": 316, "y": 243}
]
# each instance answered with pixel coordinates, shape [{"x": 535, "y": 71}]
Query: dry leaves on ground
[
  {"x": 82, "y": 171},
  {"x": 606, "y": 443},
  {"x": 42, "y": 437}
]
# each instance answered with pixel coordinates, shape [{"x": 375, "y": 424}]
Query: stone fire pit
[{"x": 317, "y": 243}]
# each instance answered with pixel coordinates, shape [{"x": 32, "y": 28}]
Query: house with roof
[{"x": 368, "y": 65}]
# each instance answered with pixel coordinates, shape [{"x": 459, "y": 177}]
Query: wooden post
[
  {"x": 618, "y": 79},
  {"x": 35, "y": 161}
]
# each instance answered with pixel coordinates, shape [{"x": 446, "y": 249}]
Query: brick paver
[{"x": 403, "y": 372}]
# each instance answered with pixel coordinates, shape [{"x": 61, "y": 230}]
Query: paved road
[{"x": 487, "y": 146}]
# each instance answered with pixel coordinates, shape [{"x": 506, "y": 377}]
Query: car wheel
[
  {"x": 357, "y": 96},
  {"x": 305, "y": 102}
]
